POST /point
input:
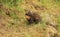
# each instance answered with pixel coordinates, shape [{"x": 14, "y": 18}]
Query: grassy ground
[{"x": 14, "y": 24}]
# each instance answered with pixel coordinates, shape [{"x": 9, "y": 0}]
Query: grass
[
  {"x": 57, "y": 2},
  {"x": 58, "y": 26},
  {"x": 13, "y": 15},
  {"x": 16, "y": 24}
]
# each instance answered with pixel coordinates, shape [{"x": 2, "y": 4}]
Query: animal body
[{"x": 33, "y": 17}]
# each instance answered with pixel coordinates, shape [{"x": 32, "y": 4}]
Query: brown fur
[{"x": 33, "y": 17}]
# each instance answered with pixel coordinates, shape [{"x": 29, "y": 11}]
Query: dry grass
[{"x": 14, "y": 24}]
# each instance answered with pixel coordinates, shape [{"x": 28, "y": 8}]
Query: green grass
[
  {"x": 12, "y": 3},
  {"x": 58, "y": 26},
  {"x": 57, "y": 2},
  {"x": 2, "y": 12},
  {"x": 15, "y": 22},
  {"x": 13, "y": 15}
]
